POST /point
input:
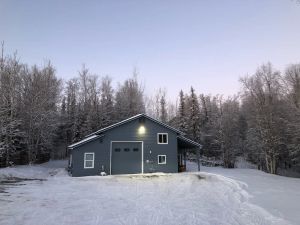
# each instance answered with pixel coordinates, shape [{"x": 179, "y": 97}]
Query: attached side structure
[{"x": 139, "y": 144}]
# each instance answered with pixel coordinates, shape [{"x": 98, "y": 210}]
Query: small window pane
[
  {"x": 165, "y": 138},
  {"x": 160, "y": 138},
  {"x": 88, "y": 163},
  {"x": 117, "y": 149},
  {"x": 135, "y": 149},
  {"x": 161, "y": 159},
  {"x": 89, "y": 156},
  {"x": 126, "y": 149}
]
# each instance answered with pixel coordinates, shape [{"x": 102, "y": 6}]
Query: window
[
  {"x": 135, "y": 149},
  {"x": 117, "y": 149},
  {"x": 162, "y": 138},
  {"x": 89, "y": 160},
  {"x": 126, "y": 149},
  {"x": 162, "y": 159}
]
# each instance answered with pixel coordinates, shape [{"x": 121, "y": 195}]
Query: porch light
[{"x": 142, "y": 130}]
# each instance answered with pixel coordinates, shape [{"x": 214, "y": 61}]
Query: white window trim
[
  {"x": 163, "y": 162},
  {"x": 88, "y": 167},
  {"x": 162, "y": 134}
]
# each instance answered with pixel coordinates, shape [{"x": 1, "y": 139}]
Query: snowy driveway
[
  {"x": 186, "y": 198},
  {"x": 277, "y": 194}
]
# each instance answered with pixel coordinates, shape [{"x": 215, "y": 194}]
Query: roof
[
  {"x": 131, "y": 119},
  {"x": 88, "y": 139},
  {"x": 96, "y": 134},
  {"x": 188, "y": 141}
]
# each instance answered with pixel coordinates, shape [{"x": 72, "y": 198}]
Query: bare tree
[
  {"x": 292, "y": 78},
  {"x": 40, "y": 96},
  {"x": 264, "y": 89},
  {"x": 129, "y": 98},
  {"x": 10, "y": 83},
  {"x": 107, "y": 102}
]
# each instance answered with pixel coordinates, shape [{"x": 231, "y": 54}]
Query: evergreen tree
[
  {"x": 107, "y": 113},
  {"x": 194, "y": 116},
  {"x": 182, "y": 113},
  {"x": 163, "y": 110}
]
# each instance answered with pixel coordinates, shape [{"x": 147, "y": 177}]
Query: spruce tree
[
  {"x": 194, "y": 117},
  {"x": 182, "y": 113}
]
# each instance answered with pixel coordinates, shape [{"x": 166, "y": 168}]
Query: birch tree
[
  {"x": 264, "y": 88},
  {"x": 292, "y": 80},
  {"x": 11, "y": 136},
  {"x": 40, "y": 96},
  {"x": 228, "y": 131}
]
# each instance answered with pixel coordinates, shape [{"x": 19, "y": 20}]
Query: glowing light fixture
[{"x": 142, "y": 130}]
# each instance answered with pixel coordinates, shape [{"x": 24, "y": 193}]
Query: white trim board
[
  {"x": 84, "y": 160},
  {"x": 162, "y": 138},
  {"x": 110, "y": 152},
  {"x": 163, "y": 162}
]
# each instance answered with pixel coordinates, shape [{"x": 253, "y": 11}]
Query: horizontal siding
[{"x": 129, "y": 132}]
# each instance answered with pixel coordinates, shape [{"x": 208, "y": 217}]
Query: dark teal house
[{"x": 139, "y": 144}]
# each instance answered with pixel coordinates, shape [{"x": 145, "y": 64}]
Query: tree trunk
[{"x": 267, "y": 163}]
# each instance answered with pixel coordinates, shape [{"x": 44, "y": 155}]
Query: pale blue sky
[{"x": 174, "y": 44}]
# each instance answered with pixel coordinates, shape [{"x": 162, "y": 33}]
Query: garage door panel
[{"x": 126, "y": 157}]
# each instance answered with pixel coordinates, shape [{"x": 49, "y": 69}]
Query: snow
[
  {"x": 277, "y": 194},
  {"x": 243, "y": 164},
  {"x": 84, "y": 140},
  {"x": 213, "y": 197},
  {"x": 132, "y": 118},
  {"x": 34, "y": 171}
]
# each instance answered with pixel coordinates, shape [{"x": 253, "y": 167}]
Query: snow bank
[
  {"x": 41, "y": 171},
  {"x": 186, "y": 198},
  {"x": 279, "y": 195}
]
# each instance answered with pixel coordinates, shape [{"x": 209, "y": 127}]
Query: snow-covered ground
[
  {"x": 277, "y": 194},
  {"x": 215, "y": 196}
]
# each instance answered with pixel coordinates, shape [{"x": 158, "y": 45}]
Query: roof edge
[
  {"x": 189, "y": 140},
  {"x": 84, "y": 141},
  {"x": 131, "y": 119}
]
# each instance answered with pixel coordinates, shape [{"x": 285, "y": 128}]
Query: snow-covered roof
[
  {"x": 189, "y": 141},
  {"x": 88, "y": 139},
  {"x": 96, "y": 134},
  {"x": 133, "y": 118}
]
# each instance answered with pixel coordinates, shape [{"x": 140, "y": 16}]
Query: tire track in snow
[{"x": 161, "y": 199}]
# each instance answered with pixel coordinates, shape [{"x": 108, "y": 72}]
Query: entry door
[{"x": 126, "y": 157}]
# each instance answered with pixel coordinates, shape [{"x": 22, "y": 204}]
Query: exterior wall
[
  {"x": 129, "y": 132},
  {"x": 78, "y": 159}
]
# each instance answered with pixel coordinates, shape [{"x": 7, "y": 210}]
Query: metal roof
[
  {"x": 131, "y": 119},
  {"x": 88, "y": 139},
  {"x": 189, "y": 141},
  {"x": 96, "y": 135}
]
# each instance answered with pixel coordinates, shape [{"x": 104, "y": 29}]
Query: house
[{"x": 139, "y": 144}]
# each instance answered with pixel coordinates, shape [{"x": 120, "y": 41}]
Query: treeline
[
  {"x": 40, "y": 114},
  {"x": 90, "y": 103},
  {"x": 29, "y": 111},
  {"x": 261, "y": 124}
]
